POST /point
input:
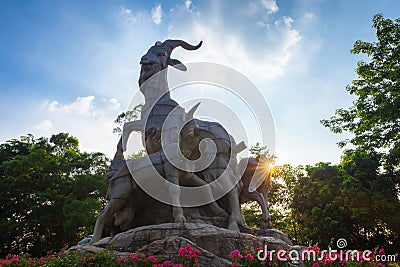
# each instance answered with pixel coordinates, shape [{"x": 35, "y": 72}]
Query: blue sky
[{"x": 73, "y": 65}]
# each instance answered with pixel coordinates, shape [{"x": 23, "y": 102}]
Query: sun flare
[{"x": 266, "y": 165}]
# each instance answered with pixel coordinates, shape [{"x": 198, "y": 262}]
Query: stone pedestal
[{"x": 215, "y": 243}]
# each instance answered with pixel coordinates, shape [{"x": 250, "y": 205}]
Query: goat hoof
[
  {"x": 233, "y": 226},
  {"x": 218, "y": 211},
  {"x": 181, "y": 219}
]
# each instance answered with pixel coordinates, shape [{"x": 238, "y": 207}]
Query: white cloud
[
  {"x": 87, "y": 118},
  {"x": 156, "y": 14},
  {"x": 188, "y": 4},
  {"x": 44, "y": 126},
  {"x": 261, "y": 24},
  {"x": 270, "y": 5},
  {"x": 126, "y": 12},
  {"x": 258, "y": 48},
  {"x": 82, "y": 105},
  {"x": 310, "y": 16},
  {"x": 130, "y": 17}
]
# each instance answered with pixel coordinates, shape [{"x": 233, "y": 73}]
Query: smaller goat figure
[{"x": 256, "y": 184}]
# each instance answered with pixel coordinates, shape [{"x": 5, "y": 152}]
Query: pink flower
[
  {"x": 181, "y": 252},
  {"x": 255, "y": 240},
  {"x": 382, "y": 251},
  {"x": 236, "y": 254},
  {"x": 134, "y": 257},
  {"x": 14, "y": 258},
  {"x": 235, "y": 265},
  {"x": 188, "y": 252},
  {"x": 121, "y": 260},
  {"x": 164, "y": 264},
  {"x": 249, "y": 257},
  {"x": 314, "y": 248},
  {"x": 152, "y": 259}
]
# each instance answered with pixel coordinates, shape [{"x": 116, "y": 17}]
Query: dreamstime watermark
[{"x": 341, "y": 254}]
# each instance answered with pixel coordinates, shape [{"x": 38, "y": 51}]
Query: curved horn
[
  {"x": 171, "y": 44},
  {"x": 189, "y": 115}
]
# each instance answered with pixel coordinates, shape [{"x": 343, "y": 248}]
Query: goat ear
[{"x": 177, "y": 64}]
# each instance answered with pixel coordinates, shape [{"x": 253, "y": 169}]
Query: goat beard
[{"x": 144, "y": 76}]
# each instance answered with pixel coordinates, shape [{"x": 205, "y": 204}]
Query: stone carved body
[{"x": 224, "y": 164}]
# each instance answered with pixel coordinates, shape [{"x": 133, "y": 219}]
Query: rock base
[{"x": 164, "y": 240}]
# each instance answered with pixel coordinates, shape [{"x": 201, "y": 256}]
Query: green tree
[
  {"x": 124, "y": 117},
  {"x": 283, "y": 179},
  {"x": 50, "y": 193},
  {"x": 371, "y": 185},
  {"x": 371, "y": 200},
  {"x": 258, "y": 150},
  {"x": 324, "y": 202},
  {"x": 374, "y": 117},
  {"x": 317, "y": 205}
]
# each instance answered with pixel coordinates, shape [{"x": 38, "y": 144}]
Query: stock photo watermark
[{"x": 340, "y": 254}]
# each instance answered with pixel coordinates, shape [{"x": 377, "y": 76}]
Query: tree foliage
[
  {"x": 320, "y": 204},
  {"x": 127, "y": 116},
  {"x": 50, "y": 193},
  {"x": 374, "y": 117},
  {"x": 370, "y": 173},
  {"x": 281, "y": 194}
]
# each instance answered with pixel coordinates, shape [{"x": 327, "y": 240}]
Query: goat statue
[
  {"x": 158, "y": 106},
  {"x": 165, "y": 125}
]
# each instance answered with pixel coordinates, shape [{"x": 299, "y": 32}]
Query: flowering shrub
[{"x": 186, "y": 257}]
